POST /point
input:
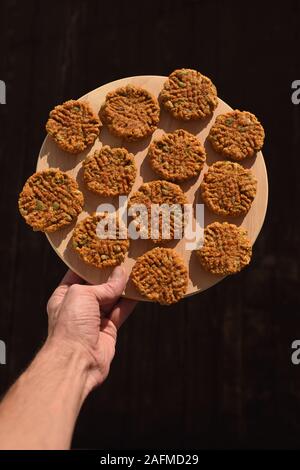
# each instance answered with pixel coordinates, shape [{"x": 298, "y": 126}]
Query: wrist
[
  {"x": 67, "y": 348},
  {"x": 74, "y": 357}
]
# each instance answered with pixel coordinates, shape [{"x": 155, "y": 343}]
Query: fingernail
[{"x": 117, "y": 273}]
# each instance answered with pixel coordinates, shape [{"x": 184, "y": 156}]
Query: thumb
[{"x": 113, "y": 288}]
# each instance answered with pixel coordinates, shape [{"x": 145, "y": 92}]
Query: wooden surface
[
  {"x": 213, "y": 371},
  {"x": 51, "y": 156}
]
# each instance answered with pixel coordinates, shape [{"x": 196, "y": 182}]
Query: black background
[{"x": 213, "y": 371}]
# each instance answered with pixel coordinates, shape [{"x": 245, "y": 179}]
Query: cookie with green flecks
[
  {"x": 226, "y": 249},
  {"x": 90, "y": 242},
  {"x": 189, "y": 95},
  {"x": 177, "y": 156},
  {"x": 73, "y": 125},
  {"x": 109, "y": 171},
  {"x": 130, "y": 112},
  {"x": 237, "y": 135},
  {"x": 163, "y": 203},
  {"x": 50, "y": 200},
  {"x": 228, "y": 188},
  {"x": 160, "y": 275}
]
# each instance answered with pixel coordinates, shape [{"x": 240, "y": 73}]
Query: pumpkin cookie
[
  {"x": 50, "y": 199},
  {"x": 73, "y": 125},
  {"x": 177, "y": 156},
  {"x": 130, "y": 112},
  {"x": 187, "y": 95},
  {"x": 109, "y": 171},
  {"x": 228, "y": 188},
  {"x": 152, "y": 195},
  {"x": 226, "y": 249},
  {"x": 237, "y": 135},
  {"x": 161, "y": 276},
  {"x": 97, "y": 251}
]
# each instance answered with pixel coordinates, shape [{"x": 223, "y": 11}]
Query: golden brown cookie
[
  {"x": 93, "y": 249},
  {"x": 228, "y": 188},
  {"x": 73, "y": 125},
  {"x": 109, "y": 171},
  {"x": 161, "y": 276},
  {"x": 130, "y": 112},
  {"x": 237, "y": 135},
  {"x": 158, "y": 193},
  {"x": 177, "y": 156},
  {"x": 50, "y": 199},
  {"x": 226, "y": 249},
  {"x": 187, "y": 95}
]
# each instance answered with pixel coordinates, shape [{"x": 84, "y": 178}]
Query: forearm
[{"x": 40, "y": 410}]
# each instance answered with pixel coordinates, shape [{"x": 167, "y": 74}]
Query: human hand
[{"x": 88, "y": 317}]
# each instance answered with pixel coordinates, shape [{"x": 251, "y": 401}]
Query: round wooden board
[{"x": 51, "y": 156}]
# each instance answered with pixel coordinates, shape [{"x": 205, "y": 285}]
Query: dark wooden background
[{"x": 213, "y": 371}]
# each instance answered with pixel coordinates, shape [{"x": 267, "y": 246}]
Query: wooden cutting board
[{"x": 51, "y": 156}]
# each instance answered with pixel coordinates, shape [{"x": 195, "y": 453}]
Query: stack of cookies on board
[{"x": 51, "y": 199}]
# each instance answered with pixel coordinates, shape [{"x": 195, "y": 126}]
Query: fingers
[
  {"x": 122, "y": 311},
  {"x": 110, "y": 291},
  {"x": 60, "y": 292},
  {"x": 71, "y": 278}
]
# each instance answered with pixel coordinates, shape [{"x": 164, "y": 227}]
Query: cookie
[
  {"x": 50, "y": 199},
  {"x": 161, "y": 276},
  {"x": 177, "y": 156},
  {"x": 189, "y": 95},
  {"x": 73, "y": 125},
  {"x": 109, "y": 171},
  {"x": 226, "y": 249},
  {"x": 237, "y": 135},
  {"x": 228, "y": 188},
  {"x": 96, "y": 251},
  {"x": 161, "y": 192},
  {"x": 130, "y": 112}
]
